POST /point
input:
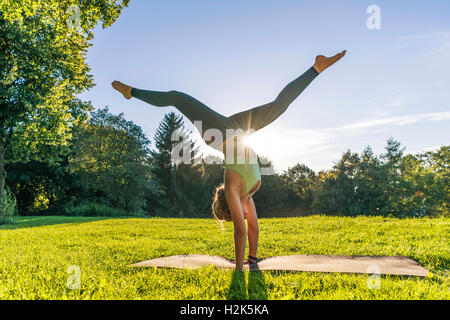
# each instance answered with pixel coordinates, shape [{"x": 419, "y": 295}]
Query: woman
[{"x": 233, "y": 199}]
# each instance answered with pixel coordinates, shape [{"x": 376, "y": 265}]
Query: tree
[
  {"x": 173, "y": 181},
  {"x": 438, "y": 162},
  {"x": 41, "y": 187},
  {"x": 396, "y": 189},
  {"x": 42, "y": 68},
  {"x": 337, "y": 193},
  {"x": 427, "y": 175},
  {"x": 369, "y": 181},
  {"x": 302, "y": 181},
  {"x": 111, "y": 158}
]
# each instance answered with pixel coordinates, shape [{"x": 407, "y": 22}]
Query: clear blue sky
[{"x": 237, "y": 54}]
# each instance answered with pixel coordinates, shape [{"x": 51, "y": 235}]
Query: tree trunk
[{"x": 2, "y": 179}]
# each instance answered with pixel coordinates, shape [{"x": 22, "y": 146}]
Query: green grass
[{"x": 36, "y": 252}]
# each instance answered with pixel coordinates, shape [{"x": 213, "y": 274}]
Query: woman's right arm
[{"x": 237, "y": 216}]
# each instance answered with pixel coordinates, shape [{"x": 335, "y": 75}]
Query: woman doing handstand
[{"x": 233, "y": 199}]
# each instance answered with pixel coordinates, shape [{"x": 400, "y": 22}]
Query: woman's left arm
[{"x": 252, "y": 228}]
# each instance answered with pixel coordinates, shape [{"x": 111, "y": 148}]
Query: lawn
[{"x": 36, "y": 252}]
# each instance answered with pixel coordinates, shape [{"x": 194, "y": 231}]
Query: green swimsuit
[
  {"x": 255, "y": 118},
  {"x": 250, "y": 173}
]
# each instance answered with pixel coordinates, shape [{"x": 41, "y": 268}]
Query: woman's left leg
[{"x": 261, "y": 116}]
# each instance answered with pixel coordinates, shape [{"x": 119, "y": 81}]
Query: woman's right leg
[{"x": 193, "y": 109}]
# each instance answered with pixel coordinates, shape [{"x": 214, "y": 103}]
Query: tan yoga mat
[{"x": 394, "y": 265}]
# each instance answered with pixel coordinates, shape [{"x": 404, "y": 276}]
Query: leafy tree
[
  {"x": 302, "y": 181},
  {"x": 369, "y": 181},
  {"x": 396, "y": 189},
  {"x": 111, "y": 158},
  {"x": 42, "y": 69},
  {"x": 439, "y": 190},
  {"x": 323, "y": 197},
  {"x": 192, "y": 192},
  {"x": 274, "y": 198},
  {"x": 337, "y": 193},
  {"x": 428, "y": 177},
  {"x": 41, "y": 187}
]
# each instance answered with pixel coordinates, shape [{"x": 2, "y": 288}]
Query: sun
[{"x": 255, "y": 142}]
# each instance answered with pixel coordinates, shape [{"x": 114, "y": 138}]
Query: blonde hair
[{"x": 219, "y": 206}]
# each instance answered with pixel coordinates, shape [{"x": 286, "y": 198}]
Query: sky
[{"x": 237, "y": 54}]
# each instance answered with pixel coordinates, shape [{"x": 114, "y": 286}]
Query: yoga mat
[{"x": 394, "y": 265}]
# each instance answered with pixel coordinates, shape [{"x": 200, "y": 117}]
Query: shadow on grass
[
  {"x": 256, "y": 285},
  {"x": 36, "y": 221}
]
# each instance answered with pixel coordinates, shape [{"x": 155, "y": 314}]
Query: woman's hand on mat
[{"x": 246, "y": 262}]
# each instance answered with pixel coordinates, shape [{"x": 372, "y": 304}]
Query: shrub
[
  {"x": 92, "y": 209},
  {"x": 9, "y": 207}
]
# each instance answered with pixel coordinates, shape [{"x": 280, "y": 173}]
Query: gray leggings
[{"x": 255, "y": 118}]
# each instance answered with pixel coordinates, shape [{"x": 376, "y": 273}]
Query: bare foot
[
  {"x": 122, "y": 88},
  {"x": 323, "y": 62}
]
